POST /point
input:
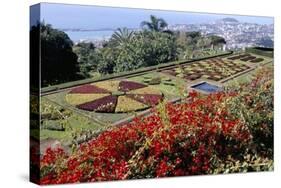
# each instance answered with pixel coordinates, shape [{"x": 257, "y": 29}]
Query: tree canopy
[
  {"x": 126, "y": 50},
  {"x": 58, "y": 61},
  {"x": 155, "y": 24}
]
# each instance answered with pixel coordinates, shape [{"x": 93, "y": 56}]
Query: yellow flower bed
[
  {"x": 145, "y": 90},
  {"x": 126, "y": 104},
  {"x": 76, "y": 99},
  {"x": 111, "y": 85}
]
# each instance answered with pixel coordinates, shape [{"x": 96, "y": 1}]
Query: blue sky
[{"x": 95, "y": 17}]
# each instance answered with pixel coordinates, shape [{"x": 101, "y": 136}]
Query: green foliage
[
  {"x": 125, "y": 51},
  {"x": 88, "y": 58},
  {"x": 145, "y": 49},
  {"x": 121, "y": 36},
  {"x": 58, "y": 62},
  {"x": 254, "y": 105},
  {"x": 193, "y": 44},
  {"x": 108, "y": 60}
]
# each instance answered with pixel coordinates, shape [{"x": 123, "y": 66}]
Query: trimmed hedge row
[{"x": 45, "y": 90}]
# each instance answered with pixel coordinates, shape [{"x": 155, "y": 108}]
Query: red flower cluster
[{"x": 196, "y": 134}]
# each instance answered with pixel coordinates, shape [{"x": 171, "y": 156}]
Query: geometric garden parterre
[
  {"x": 213, "y": 69},
  {"x": 114, "y": 96},
  {"x": 119, "y": 96}
]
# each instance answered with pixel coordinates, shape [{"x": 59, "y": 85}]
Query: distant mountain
[{"x": 230, "y": 20}]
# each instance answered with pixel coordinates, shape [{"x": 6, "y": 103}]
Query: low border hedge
[{"x": 46, "y": 90}]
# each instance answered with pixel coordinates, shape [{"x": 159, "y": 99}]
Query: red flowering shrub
[
  {"x": 254, "y": 105},
  {"x": 195, "y": 137},
  {"x": 188, "y": 142}
]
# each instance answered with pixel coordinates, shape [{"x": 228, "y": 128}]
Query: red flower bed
[
  {"x": 182, "y": 139},
  {"x": 148, "y": 99},
  {"x": 105, "y": 104},
  {"x": 128, "y": 86},
  {"x": 88, "y": 89}
]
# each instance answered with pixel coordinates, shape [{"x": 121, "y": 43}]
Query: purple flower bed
[
  {"x": 148, "y": 99},
  {"x": 105, "y": 104},
  {"x": 127, "y": 86},
  {"x": 88, "y": 89}
]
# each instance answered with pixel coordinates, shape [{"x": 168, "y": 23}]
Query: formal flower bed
[
  {"x": 77, "y": 98},
  {"x": 224, "y": 132},
  {"x": 148, "y": 99},
  {"x": 127, "y": 104},
  {"x": 105, "y": 104},
  {"x": 88, "y": 88},
  {"x": 246, "y": 57},
  {"x": 114, "y": 96},
  {"x": 128, "y": 86},
  {"x": 214, "y": 69}
]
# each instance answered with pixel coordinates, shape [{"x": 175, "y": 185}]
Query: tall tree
[
  {"x": 58, "y": 62},
  {"x": 155, "y": 24}
]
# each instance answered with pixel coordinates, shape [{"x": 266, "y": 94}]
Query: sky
[{"x": 95, "y": 17}]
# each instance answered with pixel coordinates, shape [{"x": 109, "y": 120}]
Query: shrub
[
  {"x": 254, "y": 105},
  {"x": 187, "y": 142}
]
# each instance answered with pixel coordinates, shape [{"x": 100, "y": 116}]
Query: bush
[
  {"x": 255, "y": 104},
  {"x": 145, "y": 49},
  {"x": 58, "y": 60}
]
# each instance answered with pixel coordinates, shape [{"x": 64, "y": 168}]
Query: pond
[{"x": 205, "y": 86}]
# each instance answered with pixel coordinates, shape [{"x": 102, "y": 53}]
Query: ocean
[{"x": 77, "y": 36}]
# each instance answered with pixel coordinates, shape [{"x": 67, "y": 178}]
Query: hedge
[{"x": 54, "y": 88}]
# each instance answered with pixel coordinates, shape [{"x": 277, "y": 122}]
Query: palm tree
[
  {"x": 155, "y": 24},
  {"x": 122, "y": 36}
]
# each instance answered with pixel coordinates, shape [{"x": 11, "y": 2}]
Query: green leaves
[{"x": 143, "y": 49}]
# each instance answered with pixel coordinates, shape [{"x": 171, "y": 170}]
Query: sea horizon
[{"x": 95, "y": 18}]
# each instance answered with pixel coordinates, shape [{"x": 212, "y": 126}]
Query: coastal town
[{"x": 238, "y": 35}]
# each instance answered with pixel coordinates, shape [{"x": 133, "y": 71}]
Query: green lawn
[
  {"x": 77, "y": 121},
  {"x": 73, "y": 123},
  {"x": 169, "y": 91}
]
